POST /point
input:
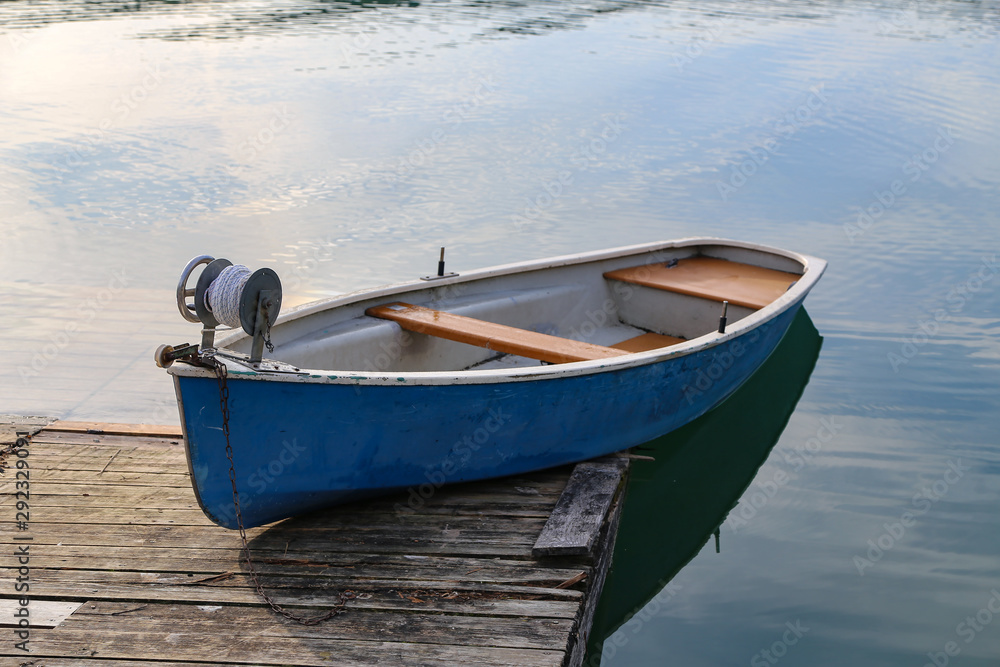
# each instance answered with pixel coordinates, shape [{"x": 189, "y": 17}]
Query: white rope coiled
[{"x": 222, "y": 298}]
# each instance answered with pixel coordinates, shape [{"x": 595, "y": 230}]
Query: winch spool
[
  {"x": 239, "y": 298},
  {"x": 223, "y": 294}
]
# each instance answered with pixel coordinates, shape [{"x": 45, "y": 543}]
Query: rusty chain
[
  {"x": 221, "y": 374},
  {"x": 267, "y": 331}
]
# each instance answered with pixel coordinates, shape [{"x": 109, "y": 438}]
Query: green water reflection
[{"x": 676, "y": 503}]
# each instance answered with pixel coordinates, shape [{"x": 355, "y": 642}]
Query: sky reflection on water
[{"x": 342, "y": 143}]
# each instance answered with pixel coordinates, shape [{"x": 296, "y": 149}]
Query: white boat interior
[{"x": 580, "y": 307}]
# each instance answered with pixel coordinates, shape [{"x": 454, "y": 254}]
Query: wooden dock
[{"x": 124, "y": 569}]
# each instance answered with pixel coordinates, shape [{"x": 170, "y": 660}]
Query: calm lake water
[{"x": 342, "y": 143}]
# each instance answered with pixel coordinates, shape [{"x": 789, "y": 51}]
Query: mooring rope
[{"x": 222, "y": 298}]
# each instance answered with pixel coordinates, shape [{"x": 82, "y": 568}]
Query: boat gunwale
[{"x": 812, "y": 270}]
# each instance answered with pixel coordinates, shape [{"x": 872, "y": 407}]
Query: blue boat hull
[{"x": 300, "y": 446}]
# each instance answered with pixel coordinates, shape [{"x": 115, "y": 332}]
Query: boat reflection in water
[{"x": 676, "y": 503}]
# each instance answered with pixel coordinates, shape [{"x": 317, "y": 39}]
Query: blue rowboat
[{"x": 490, "y": 373}]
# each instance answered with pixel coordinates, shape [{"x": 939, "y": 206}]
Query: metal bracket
[
  {"x": 260, "y": 304},
  {"x": 263, "y": 366},
  {"x": 166, "y": 355},
  {"x": 265, "y": 306},
  {"x": 440, "y": 274}
]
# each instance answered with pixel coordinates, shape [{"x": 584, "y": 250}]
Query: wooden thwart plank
[
  {"x": 711, "y": 278},
  {"x": 576, "y": 521},
  {"x": 492, "y": 336},
  {"x": 646, "y": 342}
]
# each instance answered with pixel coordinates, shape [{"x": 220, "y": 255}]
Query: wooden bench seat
[
  {"x": 499, "y": 337},
  {"x": 646, "y": 342},
  {"x": 712, "y": 278}
]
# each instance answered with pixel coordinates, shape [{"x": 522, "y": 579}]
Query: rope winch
[
  {"x": 230, "y": 294},
  {"x": 227, "y": 294}
]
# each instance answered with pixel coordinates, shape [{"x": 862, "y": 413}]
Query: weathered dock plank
[
  {"x": 13, "y": 425},
  {"x": 575, "y": 522},
  {"x": 244, "y": 648},
  {"x": 116, "y": 429},
  {"x": 116, "y": 534}
]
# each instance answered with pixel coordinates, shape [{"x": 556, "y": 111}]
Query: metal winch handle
[
  {"x": 188, "y": 311},
  {"x": 198, "y": 311}
]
